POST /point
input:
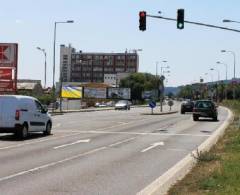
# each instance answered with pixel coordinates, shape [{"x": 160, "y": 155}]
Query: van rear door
[{"x": 8, "y": 107}]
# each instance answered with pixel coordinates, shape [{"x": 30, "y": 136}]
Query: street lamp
[
  {"x": 157, "y": 63},
  {"x": 217, "y": 95},
  {"x": 162, "y": 84},
  {"x": 234, "y": 60},
  {"x": 45, "y": 64},
  {"x": 162, "y": 67},
  {"x": 135, "y": 50},
  {"x": 54, "y": 47},
  {"x": 168, "y": 71},
  {"x": 232, "y": 21},
  {"x": 218, "y": 62},
  {"x": 226, "y": 67},
  {"x": 217, "y": 73}
]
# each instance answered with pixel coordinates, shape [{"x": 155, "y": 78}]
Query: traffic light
[
  {"x": 142, "y": 20},
  {"x": 180, "y": 18}
]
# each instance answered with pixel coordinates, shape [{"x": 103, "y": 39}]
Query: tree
[
  {"x": 186, "y": 92},
  {"x": 139, "y": 82}
]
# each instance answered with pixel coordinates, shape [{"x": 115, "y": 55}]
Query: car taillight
[{"x": 17, "y": 115}]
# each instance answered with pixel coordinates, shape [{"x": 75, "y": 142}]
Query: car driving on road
[
  {"x": 122, "y": 105},
  {"x": 205, "y": 108},
  {"x": 187, "y": 106},
  {"x": 23, "y": 114}
]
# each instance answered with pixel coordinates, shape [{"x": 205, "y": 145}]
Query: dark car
[
  {"x": 187, "y": 106},
  {"x": 205, "y": 108}
]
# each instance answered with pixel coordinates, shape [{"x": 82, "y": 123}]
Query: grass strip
[{"x": 217, "y": 171}]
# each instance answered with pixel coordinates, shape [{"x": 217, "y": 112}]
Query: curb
[
  {"x": 161, "y": 113},
  {"x": 162, "y": 184}
]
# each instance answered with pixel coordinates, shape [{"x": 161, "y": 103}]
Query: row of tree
[{"x": 217, "y": 91}]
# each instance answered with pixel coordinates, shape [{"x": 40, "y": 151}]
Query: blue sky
[{"x": 106, "y": 26}]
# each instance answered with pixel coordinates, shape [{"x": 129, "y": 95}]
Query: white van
[{"x": 23, "y": 114}]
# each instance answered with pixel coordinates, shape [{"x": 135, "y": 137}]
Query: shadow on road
[
  {"x": 12, "y": 137},
  {"x": 207, "y": 120}
]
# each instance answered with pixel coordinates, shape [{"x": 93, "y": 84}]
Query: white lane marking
[
  {"x": 70, "y": 144},
  {"x": 60, "y": 161},
  {"x": 52, "y": 164},
  {"x": 122, "y": 142},
  {"x": 38, "y": 141},
  {"x": 154, "y": 145},
  {"x": 78, "y": 132},
  {"x": 123, "y": 123},
  {"x": 141, "y": 133},
  {"x": 75, "y": 132}
]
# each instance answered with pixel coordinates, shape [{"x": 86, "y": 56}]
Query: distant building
[
  {"x": 92, "y": 67},
  {"x": 110, "y": 79},
  {"x": 29, "y": 87}
]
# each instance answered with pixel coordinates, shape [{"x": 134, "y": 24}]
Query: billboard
[
  {"x": 8, "y": 67},
  {"x": 71, "y": 92},
  {"x": 90, "y": 92},
  {"x": 152, "y": 94},
  {"x": 119, "y": 93}
]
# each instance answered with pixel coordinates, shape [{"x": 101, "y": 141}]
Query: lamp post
[
  {"x": 162, "y": 84},
  {"x": 226, "y": 67},
  {"x": 234, "y": 65},
  {"x": 212, "y": 69},
  {"x": 54, "y": 49},
  {"x": 45, "y": 65},
  {"x": 218, "y": 62},
  {"x": 218, "y": 73},
  {"x": 234, "y": 61},
  {"x": 206, "y": 75}
]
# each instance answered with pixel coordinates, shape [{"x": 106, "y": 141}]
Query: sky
[{"x": 112, "y": 26}]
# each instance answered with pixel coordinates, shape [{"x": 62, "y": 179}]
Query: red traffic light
[
  {"x": 142, "y": 14},
  {"x": 142, "y": 20}
]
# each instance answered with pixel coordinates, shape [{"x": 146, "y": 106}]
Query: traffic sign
[
  {"x": 152, "y": 104},
  {"x": 8, "y": 67},
  {"x": 170, "y": 103}
]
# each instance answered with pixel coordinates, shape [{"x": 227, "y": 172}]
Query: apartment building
[{"x": 91, "y": 66}]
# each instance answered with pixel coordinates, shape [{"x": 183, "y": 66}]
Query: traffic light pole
[{"x": 196, "y": 23}]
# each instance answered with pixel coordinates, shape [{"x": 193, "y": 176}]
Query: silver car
[{"x": 122, "y": 105}]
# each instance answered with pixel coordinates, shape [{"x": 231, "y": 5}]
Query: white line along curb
[{"x": 162, "y": 184}]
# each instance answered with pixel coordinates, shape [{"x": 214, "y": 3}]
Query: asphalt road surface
[{"x": 106, "y": 152}]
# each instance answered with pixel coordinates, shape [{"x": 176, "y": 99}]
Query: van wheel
[
  {"x": 23, "y": 132},
  {"x": 48, "y": 129}
]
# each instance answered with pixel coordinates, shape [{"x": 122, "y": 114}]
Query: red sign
[
  {"x": 8, "y": 67},
  {"x": 6, "y": 73}
]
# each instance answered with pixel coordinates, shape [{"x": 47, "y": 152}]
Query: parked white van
[{"x": 23, "y": 114}]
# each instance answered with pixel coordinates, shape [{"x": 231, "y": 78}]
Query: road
[{"x": 106, "y": 152}]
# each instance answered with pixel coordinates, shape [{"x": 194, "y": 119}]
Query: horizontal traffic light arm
[{"x": 196, "y": 23}]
